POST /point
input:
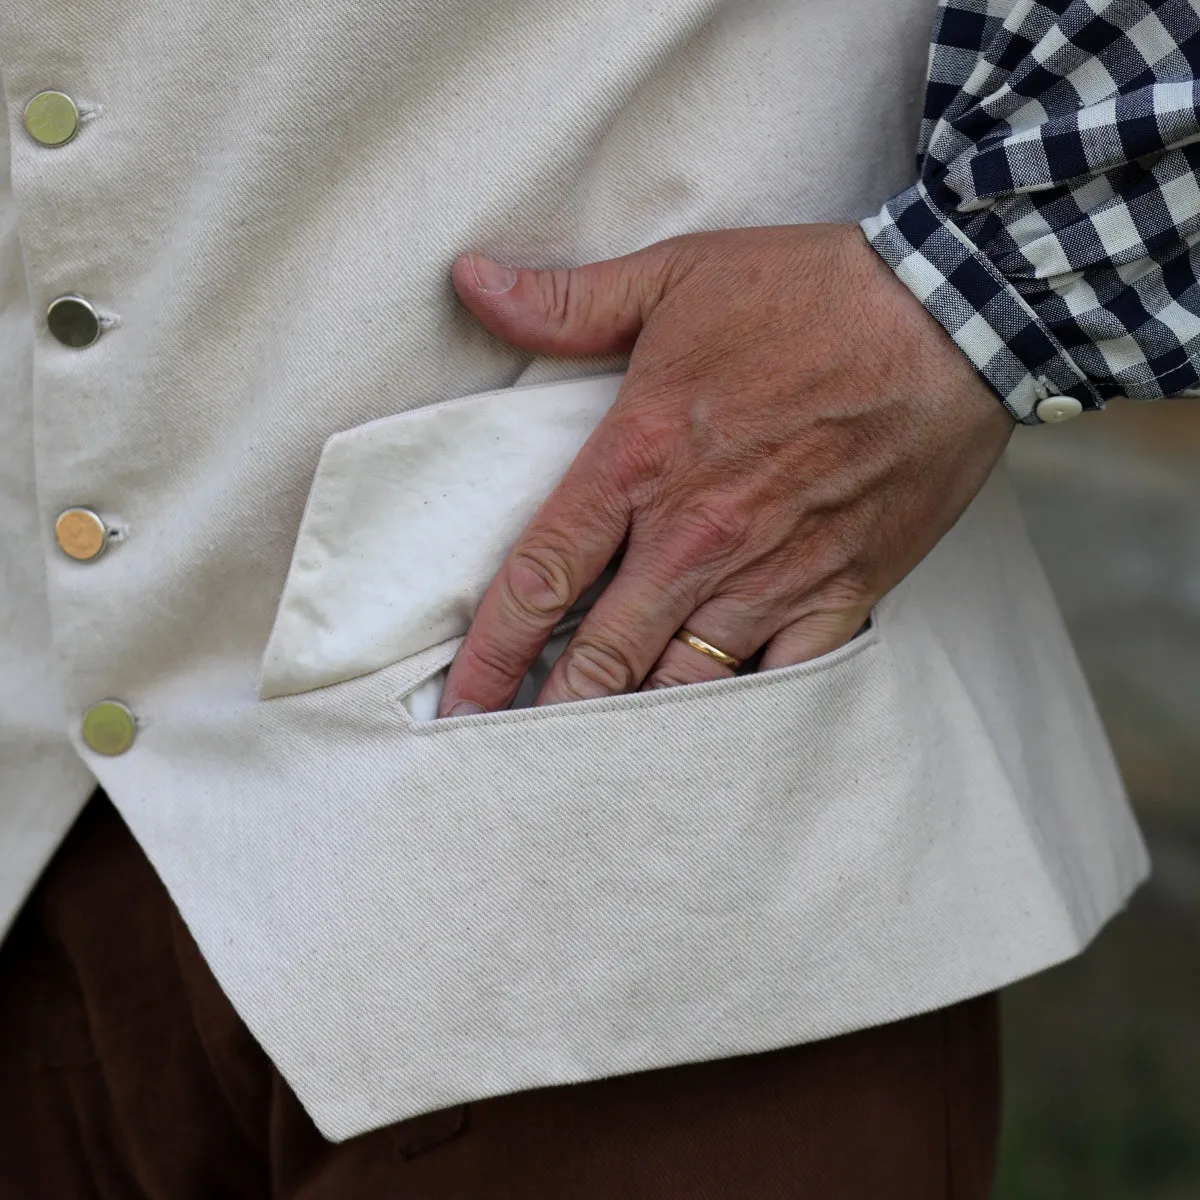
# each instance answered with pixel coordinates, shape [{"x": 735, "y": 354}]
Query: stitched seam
[{"x": 602, "y": 706}]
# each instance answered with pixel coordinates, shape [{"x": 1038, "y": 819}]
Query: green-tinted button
[
  {"x": 109, "y": 727},
  {"x": 73, "y": 321},
  {"x": 51, "y": 118}
]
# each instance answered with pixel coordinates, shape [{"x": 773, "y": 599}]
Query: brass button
[
  {"x": 109, "y": 727},
  {"x": 51, "y": 118},
  {"x": 73, "y": 321},
  {"x": 81, "y": 533}
]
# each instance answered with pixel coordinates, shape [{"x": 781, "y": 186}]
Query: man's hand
[{"x": 793, "y": 435}]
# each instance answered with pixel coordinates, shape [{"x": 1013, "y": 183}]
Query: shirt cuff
[{"x": 1013, "y": 350}]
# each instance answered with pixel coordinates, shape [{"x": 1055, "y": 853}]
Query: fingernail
[
  {"x": 466, "y": 708},
  {"x": 491, "y": 276}
]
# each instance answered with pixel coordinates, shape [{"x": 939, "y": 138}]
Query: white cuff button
[{"x": 1055, "y": 409}]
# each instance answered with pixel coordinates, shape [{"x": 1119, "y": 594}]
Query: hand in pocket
[{"x": 793, "y": 436}]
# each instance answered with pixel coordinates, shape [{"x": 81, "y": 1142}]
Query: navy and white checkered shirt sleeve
[{"x": 1054, "y": 230}]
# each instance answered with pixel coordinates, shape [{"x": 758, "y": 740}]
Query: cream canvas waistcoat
[{"x": 310, "y": 460}]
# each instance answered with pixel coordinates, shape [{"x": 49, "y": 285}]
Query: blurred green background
[{"x": 1103, "y": 1053}]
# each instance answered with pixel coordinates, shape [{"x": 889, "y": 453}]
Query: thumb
[{"x": 596, "y": 309}]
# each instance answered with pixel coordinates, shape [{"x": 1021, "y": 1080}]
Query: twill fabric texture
[
  {"x": 262, "y": 204},
  {"x": 1053, "y": 227},
  {"x": 141, "y": 1083}
]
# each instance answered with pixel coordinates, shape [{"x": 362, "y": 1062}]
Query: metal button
[
  {"x": 51, "y": 118},
  {"x": 73, "y": 321},
  {"x": 81, "y": 533},
  {"x": 109, "y": 727},
  {"x": 1058, "y": 408}
]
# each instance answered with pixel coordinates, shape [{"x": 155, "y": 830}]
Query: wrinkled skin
[{"x": 793, "y": 436}]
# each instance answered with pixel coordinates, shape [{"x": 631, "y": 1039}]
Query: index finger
[{"x": 561, "y": 553}]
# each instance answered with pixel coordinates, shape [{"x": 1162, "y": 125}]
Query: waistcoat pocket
[{"x": 407, "y": 521}]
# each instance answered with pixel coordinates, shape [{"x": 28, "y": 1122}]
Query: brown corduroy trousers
[{"x": 125, "y": 1073}]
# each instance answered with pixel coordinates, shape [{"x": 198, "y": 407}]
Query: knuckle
[
  {"x": 759, "y": 609},
  {"x": 711, "y": 528},
  {"x": 844, "y": 589},
  {"x": 492, "y": 662},
  {"x": 849, "y": 596},
  {"x": 565, "y": 304},
  {"x": 593, "y": 668},
  {"x": 540, "y": 587},
  {"x": 641, "y": 453},
  {"x": 827, "y": 562},
  {"x": 838, "y": 601},
  {"x": 672, "y": 259}
]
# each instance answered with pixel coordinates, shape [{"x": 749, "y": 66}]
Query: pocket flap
[{"x": 408, "y": 520}]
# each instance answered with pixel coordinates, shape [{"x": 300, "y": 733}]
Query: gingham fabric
[{"x": 1053, "y": 229}]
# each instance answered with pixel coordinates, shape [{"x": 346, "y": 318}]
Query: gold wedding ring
[{"x": 697, "y": 643}]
